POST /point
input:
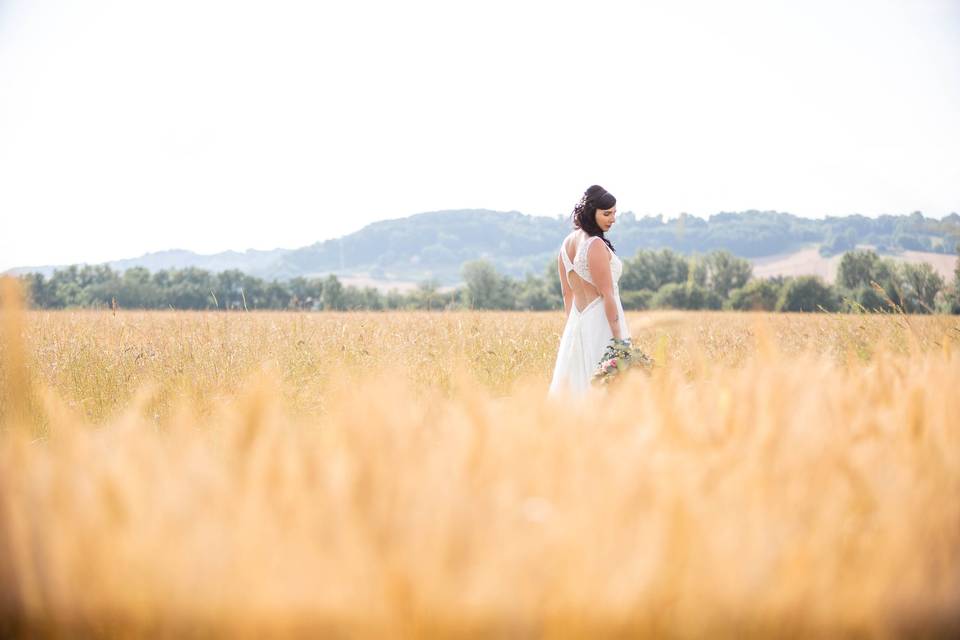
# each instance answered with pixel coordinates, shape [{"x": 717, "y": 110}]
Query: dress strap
[
  {"x": 567, "y": 262},
  {"x": 581, "y": 254},
  {"x": 586, "y": 245},
  {"x": 580, "y": 263}
]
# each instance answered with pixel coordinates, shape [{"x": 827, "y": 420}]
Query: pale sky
[{"x": 130, "y": 126}]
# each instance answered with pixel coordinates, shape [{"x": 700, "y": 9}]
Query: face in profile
[{"x": 606, "y": 218}]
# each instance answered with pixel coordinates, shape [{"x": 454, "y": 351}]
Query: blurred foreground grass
[{"x": 402, "y": 474}]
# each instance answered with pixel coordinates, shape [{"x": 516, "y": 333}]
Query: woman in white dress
[{"x": 589, "y": 271}]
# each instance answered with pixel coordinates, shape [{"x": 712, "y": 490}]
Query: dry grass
[{"x": 401, "y": 474}]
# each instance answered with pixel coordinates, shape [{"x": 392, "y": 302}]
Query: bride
[{"x": 589, "y": 271}]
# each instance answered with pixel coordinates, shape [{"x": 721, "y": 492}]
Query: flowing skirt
[{"x": 585, "y": 337}]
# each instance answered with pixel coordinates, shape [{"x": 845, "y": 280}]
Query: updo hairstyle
[{"x": 585, "y": 212}]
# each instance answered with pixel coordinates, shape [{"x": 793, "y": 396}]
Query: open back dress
[{"x": 587, "y": 332}]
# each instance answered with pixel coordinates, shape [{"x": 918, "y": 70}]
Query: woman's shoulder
[{"x": 596, "y": 248}]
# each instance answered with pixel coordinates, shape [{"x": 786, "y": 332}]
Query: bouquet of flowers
[{"x": 619, "y": 356}]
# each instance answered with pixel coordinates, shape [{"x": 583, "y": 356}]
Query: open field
[
  {"x": 401, "y": 474},
  {"x": 808, "y": 261}
]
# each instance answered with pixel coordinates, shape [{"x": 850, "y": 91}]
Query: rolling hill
[{"x": 434, "y": 245}]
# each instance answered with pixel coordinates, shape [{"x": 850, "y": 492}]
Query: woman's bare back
[{"x": 583, "y": 292}]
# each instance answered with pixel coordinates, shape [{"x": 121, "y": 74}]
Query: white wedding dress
[{"x": 587, "y": 332}]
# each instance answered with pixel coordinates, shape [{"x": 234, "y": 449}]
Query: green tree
[
  {"x": 189, "y": 288},
  {"x": 276, "y": 295},
  {"x": 305, "y": 293},
  {"x": 394, "y": 299},
  {"x": 953, "y": 294},
  {"x": 636, "y": 300},
  {"x": 426, "y": 294},
  {"x": 691, "y": 296},
  {"x": 485, "y": 288},
  {"x": 227, "y": 287},
  {"x": 807, "y": 293},
  {"x": 333, "y": 295},
  {"x": 535, "y": 294},
  {"x": 956, "y": 271},
  {"x": 698, "y": 272},
  {"x": 761, "y": 294},
  {"x": 863, "y": 298},
  {"x": 550, "y": 275},
  {"x": 253, "y": 292},
  {"x": 96, "y": 285},
  {"x": 725, "y": 272},
  {"x": 67, "y": 287},
  {"x": 40, "y": 293},
  {"x": 653, "y": 269},
  {"x": 858, "y": 273},
  {"x": 921, "y": 284},
  {"x": 859, "y": 268},
  {"x": 839, "y": 240},
  {"x": 136, "y": 290},
  {"x": 357, "y": 298}
]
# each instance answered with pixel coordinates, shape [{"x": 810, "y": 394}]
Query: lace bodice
[{"x": 581, "y": 267}]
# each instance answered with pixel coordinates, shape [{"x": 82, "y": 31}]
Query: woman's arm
[
  {"x": 598, "y": 257},
  {"x": 564, "y": 285}
]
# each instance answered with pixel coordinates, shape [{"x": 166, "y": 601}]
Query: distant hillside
[
  {"x": 430, "y": 245},
  {"x": 248, "y": 261},
  {"x": 435, "y": 245}
]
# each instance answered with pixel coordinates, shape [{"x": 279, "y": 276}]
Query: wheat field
[{"x": 172, "y": 474}]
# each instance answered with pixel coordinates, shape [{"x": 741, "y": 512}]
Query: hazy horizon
[
  {"x": 131, "y": 127},
  {"x": 306, "y": 242}
]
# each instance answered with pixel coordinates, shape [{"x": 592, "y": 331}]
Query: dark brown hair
[{"x": 585, "y": 213}]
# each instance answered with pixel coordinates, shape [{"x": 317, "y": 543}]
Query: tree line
[
  {"x": 652, "y": 279},
  {"x": 435, "y": 245}
]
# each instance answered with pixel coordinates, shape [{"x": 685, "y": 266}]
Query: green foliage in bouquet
[{"x": 619, "y": 357}]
